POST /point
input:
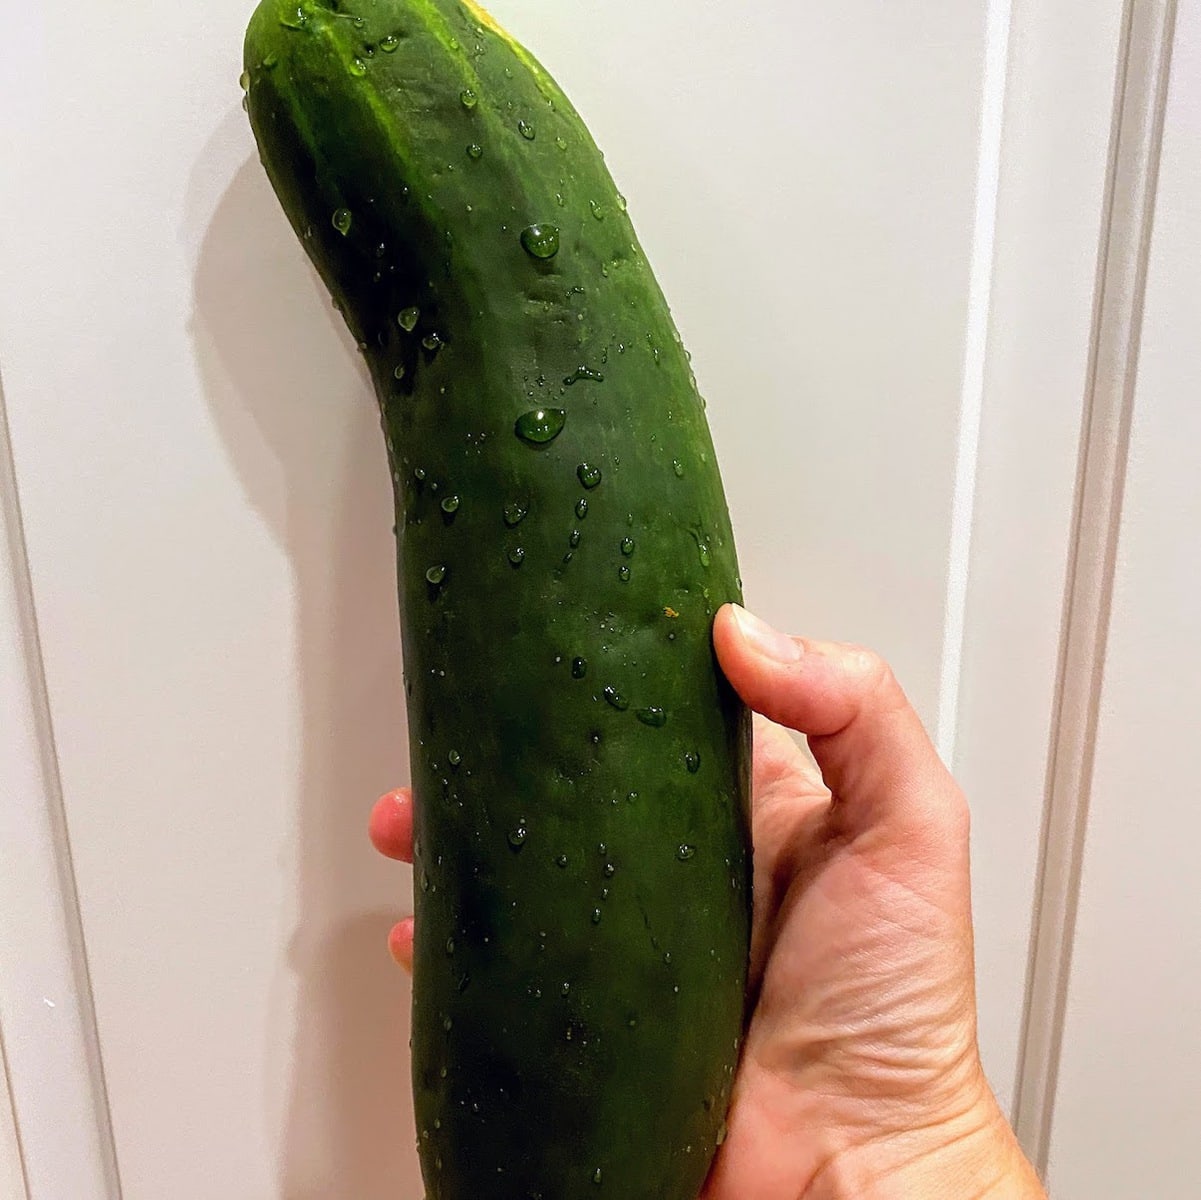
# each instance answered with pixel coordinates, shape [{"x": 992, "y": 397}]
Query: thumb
[{"x": 869, "y": 743}]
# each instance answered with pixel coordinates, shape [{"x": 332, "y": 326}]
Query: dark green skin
[{"x": 583, "y": 869}]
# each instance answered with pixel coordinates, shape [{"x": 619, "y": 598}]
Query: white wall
[
  {"x": 1130, "y": 1077},
  {"x": 1054, "y": 169},
  {"x": 49, "y": 1060},
  {"x": 12, "y": 1177},
  {"x": 207, "y": 518},
  {"x": 208, "y": 526}
]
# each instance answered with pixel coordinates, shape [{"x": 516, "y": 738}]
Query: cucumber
[{"x": 582, "y": 854}]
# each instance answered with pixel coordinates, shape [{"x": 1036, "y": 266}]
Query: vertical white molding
[
  {"x": 58, "y": 1105},
  {"x": 1140, "y": 97},
  {"x": 988, "y": 179}
]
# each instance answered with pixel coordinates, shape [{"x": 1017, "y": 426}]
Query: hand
[{"x": 860, "y": 1075}]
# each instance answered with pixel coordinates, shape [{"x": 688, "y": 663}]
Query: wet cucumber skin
[{"x": 582, "y": 872}]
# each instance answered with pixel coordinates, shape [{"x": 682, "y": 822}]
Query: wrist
[{"x": 974, "y": 1156}]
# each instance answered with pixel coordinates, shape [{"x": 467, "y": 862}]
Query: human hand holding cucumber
[{"x": 860, "y": 1075}]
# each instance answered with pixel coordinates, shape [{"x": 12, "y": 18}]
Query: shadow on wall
[{"x": 298, "y": 422}]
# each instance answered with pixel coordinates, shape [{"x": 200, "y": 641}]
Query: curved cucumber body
[{"x": 581, "y": 769}]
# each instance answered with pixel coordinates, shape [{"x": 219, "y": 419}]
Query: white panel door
[
  {"x": 825, "y": 191},
  {"x": 1129, "y": 1089},
  {"x": 1052, "y": 218}
]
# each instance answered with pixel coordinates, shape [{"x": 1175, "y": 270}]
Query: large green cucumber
[{"x": 580, "y": 767}]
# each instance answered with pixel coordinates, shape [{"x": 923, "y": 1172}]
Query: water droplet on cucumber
[
  {"x": 407, "y": 318},
  {"x": 540, "y": 425},
  {"x": 579, "y": 668},
  {"x": 623, "y": 573},
  {"x": 450, "y": 505},
  {"x": 432, "y": 342},
  {"x": 692, "y": 760},
  {"x": 475, "y": 150},
  {"x": 540, "y": 240},
  {"x": 597, "y": 210},
  {"x": 627, "y": 546},
  {"x": 596, "y": 1175},
  {"x": 244, "y": 81},
  {"x": 517, "y": 556},
  {"x": 468, "y": 98},
  {"x": 596, "y": 916},
  {"x": 454, "y": 758},
  {"x": 515, "y": 513},
  {"x": 654, "y": 716},
  {"x": 342, "y": 220},
  {"x": 685, "y": 852},
  {"x": 581, "y": 373},
  {"x": 574, "y": 539},
  {"x": 389, "y": 42},
  {"x": 526, "y": 130},
  {"x": 295, "y": 18},
  {"x": 615, "y": 699},
  {"x": 517, "y": 837},
  {"x": 436, "y": 574},
  {"x": 589, "y": 475},
  {"x": 357, "y": 67},
  {"x": 678, "y": 468},
  {"x": 581, "y": 507}
]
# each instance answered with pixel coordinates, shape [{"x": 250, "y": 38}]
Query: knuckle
[
  {"x": 874, "y": 674},
  {"x": 958, "y": 815}
]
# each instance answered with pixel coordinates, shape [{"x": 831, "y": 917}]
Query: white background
[
  {"x": 881, "y": 226},
  {"x": 1130, "y": 1081}
]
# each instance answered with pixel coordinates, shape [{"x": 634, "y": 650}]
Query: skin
[{"x": 861, "y": 1073}]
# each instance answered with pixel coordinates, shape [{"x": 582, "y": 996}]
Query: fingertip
[
  {"x": 741, "y": 639},
  {"x": 765, "y": 640},
  {"x": 400, "y": 943},
  {"x": 763, "y": 665},
  {"x": 724, "y": 625},
  {"x": 390, "y": 825}
]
